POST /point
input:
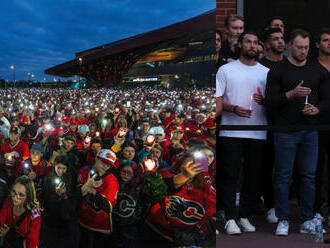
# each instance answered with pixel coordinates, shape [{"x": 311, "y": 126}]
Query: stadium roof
[{"x": 198, "y": 24}]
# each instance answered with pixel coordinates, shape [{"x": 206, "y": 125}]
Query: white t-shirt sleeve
[{"x": 221, "y": 83}]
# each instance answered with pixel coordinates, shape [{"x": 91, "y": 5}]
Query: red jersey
[
  {"x": 167, "y": 155},
  {"x": 42, "y": 169},
  {"x": 17, "y": 153},
  {"x": 29, "y": 228},
  {"x": 92, "y": 218},
  {"x": 80, "y": 122},
  {"x": 186, "y": 208}
]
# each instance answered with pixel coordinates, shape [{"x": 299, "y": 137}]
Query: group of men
[{"x": 292, "y": 95}]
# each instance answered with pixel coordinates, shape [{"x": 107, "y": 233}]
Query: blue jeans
[{"x": 302, "y": 146}]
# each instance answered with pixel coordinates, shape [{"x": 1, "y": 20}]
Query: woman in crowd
[
  {"x": 157, "y": 153},
  {"x": 128, "y": 211},
  {"x": 61, "y": 200},
  {"x": 20, "y": 209},
  {"x": 128, "y": 152}
]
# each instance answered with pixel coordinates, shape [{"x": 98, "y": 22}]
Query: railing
[{"x": 274, "y": 128}]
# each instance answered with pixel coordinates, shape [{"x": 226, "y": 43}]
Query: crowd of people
[
  {"x": 107, "y": 168},
  {"x": 264, "y": 80}
]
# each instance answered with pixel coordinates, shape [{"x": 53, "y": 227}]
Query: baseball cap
[
  {"x": 178, "y": 128},
  {"x": 156, "y": 131},
  {"x": 107, "y": 156},
  {"x": 83, "y": 129},
  {"x": 71, "y": 136},
  {"x": 36, "y": 147},
  {"x": 15, "y": 130}
]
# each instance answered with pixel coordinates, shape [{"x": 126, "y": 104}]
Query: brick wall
[{"x": 224, "y": 8}]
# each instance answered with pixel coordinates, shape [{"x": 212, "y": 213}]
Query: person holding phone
[
  {"x": 61, "y": 200},
  {"x": 99, "y": 188},
  {"x": 22, "y": 209},
  {"x": 181, "y": 217}
]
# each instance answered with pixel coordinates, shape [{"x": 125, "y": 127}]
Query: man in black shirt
[
  {"x": 297, "y": 91},
  {"x": 275, "y": 45},
  {"x": 323, "y": 46}
]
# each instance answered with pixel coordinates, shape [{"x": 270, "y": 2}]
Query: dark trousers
[
  {"x": 59, "y": 237},
  {"x": 234, "y": 152},
  {"x": 91, "y": 239},
  {"x": 267, "y": 173},
  {"x": 303, "y": 146},
  {"x": 126, "y": 236},
  {"x": 324, "y": 150}
]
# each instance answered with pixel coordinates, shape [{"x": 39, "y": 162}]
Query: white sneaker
[
  {"x": 282, "y": 228},
  {"x": 246, "y": 225},
  {"x": 232, "y": 228},
  {"x": 271, "y": 217},
  {"x": 316, "y": 216},
  {"x": 308, "y": 227}
]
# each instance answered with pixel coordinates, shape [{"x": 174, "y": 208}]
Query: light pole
[
  {"x": 13, "y": 68},
  {"x": 80, "y": 62}
]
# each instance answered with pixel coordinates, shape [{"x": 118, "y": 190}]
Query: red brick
[
  {"x": 220, "y": 12},
  {"x": 227, "y": 5},
  {"x": 231, "y": 11}
]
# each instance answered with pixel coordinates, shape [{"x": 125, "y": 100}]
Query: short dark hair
[
  {"x": 320, "y": 32},
  {"x": 270, "y": 31},
  {"x": 241, "y": 37},
  {"x": 96, "y": 141},
  {"x": 270, "y": 20},
  {"x": 62, "y": 159},
  {"x": 298, "y": 32}
]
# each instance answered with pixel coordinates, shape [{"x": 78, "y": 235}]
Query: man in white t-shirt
[{"x": 241, "y": 84}]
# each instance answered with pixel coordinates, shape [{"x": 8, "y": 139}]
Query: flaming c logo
[
  {"x": 186, "y": 211},
  {"x": 111, "y": 156}
]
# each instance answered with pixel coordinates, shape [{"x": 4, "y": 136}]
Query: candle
[
  {"x": 251, "y": 100},
  {"x": 306, "y": 100}
]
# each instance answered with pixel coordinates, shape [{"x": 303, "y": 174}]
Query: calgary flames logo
[
  {"x": 122, "y": 132},
  {"x": 111, "y": 156},
  {"x": 186, "y": 211},
  {"x": 125, "y": 205}
]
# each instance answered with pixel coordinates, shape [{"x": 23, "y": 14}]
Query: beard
[
  {"x": 248, "y": 55},
  {"x": 276, "y": 51},
  {"x": 299, "y": 58}
]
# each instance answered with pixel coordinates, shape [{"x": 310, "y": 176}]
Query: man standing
[
  {"x": 297, "y": 91},
  {"x": 323, "y": 46},
  {"x": 275, "y": 44},
  {"x": 240, "y": 84}
]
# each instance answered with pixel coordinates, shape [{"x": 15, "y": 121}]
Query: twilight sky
[{"x": 38, "y": 34}]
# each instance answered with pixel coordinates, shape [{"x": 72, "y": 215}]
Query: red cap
[{"x": 178, "y": 128}]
